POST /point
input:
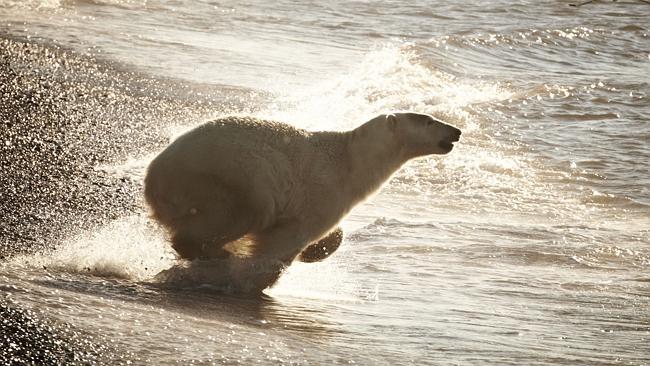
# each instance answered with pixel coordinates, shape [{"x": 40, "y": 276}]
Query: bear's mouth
[{"x": 446, "y": 145}]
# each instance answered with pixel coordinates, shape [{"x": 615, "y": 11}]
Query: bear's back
[
  {"x": 229, "y": 138},
  {"x": 249, "y": 131}
]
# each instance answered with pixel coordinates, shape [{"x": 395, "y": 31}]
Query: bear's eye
[{"x": 430, "y": 122}]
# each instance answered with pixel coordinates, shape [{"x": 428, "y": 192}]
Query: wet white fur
[{"x": 280, "y": 187}]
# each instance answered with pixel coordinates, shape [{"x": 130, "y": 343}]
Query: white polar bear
[{"x": 266, "y": 190}]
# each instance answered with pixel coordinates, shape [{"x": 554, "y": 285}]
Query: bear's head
[{"x": 421, "y": 134}]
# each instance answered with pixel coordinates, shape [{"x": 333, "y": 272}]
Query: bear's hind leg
[
  {"x": 323, "y": 248},
  {"x": 190, "y": 247},
  {"x": 204, "y": 233}
]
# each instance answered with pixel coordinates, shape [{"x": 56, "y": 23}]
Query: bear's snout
[
  {"x": 455, "y": 134},
  {"x": 452, "y": 135}
]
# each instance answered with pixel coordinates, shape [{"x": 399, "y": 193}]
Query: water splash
[
  {"x": 132, "y": 168},
  {"x": 329, "y": 279},
  {"x": 130, "y": 248},
  {"x": 388, "y": 78}
]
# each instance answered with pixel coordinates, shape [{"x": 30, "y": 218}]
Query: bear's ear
[{"x": 392, "y": 121}]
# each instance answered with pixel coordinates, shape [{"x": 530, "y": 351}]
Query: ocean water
[{"x": 528, "y": 244}]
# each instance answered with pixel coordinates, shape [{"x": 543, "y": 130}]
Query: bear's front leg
[
  {"x": 323, "y": 248},
  {"x": 282, "y": 242}
]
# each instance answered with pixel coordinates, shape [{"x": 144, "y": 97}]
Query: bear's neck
[{"x": 373, "y": 159}]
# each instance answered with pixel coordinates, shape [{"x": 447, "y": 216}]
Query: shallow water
[{"x": 528, "y": 244}]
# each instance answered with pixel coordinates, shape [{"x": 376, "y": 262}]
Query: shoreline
[{"x": 62, "y": 115}]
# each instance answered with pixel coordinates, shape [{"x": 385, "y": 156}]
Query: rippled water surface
[{"x": 528, "y": 244}]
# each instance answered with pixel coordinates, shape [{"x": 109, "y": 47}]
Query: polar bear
[{"x": 266, "y": 190}]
